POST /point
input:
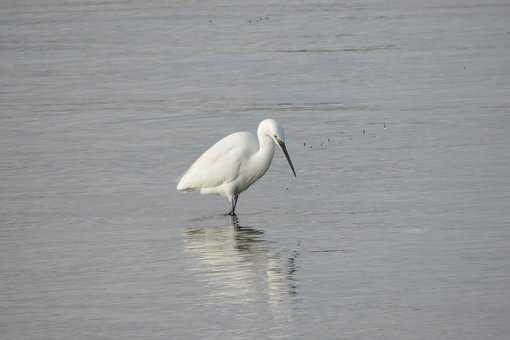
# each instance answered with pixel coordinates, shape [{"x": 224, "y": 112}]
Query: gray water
[{"x": 397, "y": 116}]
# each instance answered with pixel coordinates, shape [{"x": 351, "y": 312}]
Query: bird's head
[{"x": 271, "y": 128}]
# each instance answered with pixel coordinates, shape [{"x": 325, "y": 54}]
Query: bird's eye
[{"x": 274, "y": 136}]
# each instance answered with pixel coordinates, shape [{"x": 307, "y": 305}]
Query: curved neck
[{"x": 266, "y": 150}]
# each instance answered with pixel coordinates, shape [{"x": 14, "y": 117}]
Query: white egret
[{"x": 234, "y": 163}]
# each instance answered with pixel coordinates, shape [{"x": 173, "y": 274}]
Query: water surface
[{"x": 397, "y": 117}]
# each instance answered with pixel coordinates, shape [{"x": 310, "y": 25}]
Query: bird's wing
[{"x": 220, "y": 163}]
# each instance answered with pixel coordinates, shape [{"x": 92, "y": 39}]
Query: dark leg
[{"x": 234, "y": 203}]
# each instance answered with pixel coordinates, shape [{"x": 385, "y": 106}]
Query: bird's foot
[{"x": 231, "y": 213}]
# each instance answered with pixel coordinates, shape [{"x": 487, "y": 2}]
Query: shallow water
[{"x": 397, "y": 117}]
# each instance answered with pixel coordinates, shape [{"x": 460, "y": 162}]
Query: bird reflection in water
[{"x": 239, "y": 264}]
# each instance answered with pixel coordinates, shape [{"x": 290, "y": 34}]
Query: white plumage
[{"x": 234, "y": 163}]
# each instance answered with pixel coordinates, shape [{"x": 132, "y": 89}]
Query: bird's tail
[{"x": 182, "y": 184}]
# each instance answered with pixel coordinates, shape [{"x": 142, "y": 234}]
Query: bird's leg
[
  {"x": 231, "y": 212},
  {"x": 236, "y": 196},
  {"x": 234, "y": 203}
]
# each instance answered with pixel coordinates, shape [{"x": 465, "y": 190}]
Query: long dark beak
[{"x": 286, "y": 153}]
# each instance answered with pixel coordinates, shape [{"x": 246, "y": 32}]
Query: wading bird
[{"x": 234, "y": 163}]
